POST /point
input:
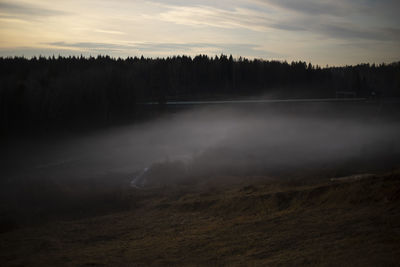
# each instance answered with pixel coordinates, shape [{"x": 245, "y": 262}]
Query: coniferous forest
[{"x": 47, "y": 91}]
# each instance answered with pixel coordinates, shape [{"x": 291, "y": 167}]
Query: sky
[{"x": 323, "y": 32}]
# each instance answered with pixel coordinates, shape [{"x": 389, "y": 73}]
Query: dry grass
[{"x": 326, "y": 223}]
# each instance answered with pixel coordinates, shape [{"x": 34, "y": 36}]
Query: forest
[{"x": 60, "y": 90}]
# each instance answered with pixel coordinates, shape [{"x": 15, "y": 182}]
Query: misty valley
[
  {"x": 199, "y": 133},
  {"x": 228, "y": 139}
]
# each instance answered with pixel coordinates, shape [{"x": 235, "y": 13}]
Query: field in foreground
[{"x": 349, "y": 221}]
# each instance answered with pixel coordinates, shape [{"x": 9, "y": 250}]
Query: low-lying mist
[
  {"x": 214, "y": 140},
  {"x": 87, "y": 173}
]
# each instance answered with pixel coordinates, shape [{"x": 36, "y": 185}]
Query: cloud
[
  {"x": 221, "y": 4},
  {"x": 109, "y": 31},
  {"x": 90, "y": 45},
  {"x": 286, "y": 26},
  {"x": 392, "y": 32},
  {"x": 179, "y": 46},
  {"x": 202, "y": 16},
  {"x": 312, "y": 7},
  {"x": 352, "y": 32},
  {"x": 295, "y": 29},
  {"x": 339, "y": 19},
  {"x": 8, "y": 9},
  {"x": 261, "y": 21}
]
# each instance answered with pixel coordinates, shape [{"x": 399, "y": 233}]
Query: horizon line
[{"x": 235, "y": 59}]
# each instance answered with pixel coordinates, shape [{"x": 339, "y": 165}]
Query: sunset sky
[{"x": 334, "y": 32}]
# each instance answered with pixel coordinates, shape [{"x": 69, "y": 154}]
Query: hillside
[{"x": 256, "y": 221}]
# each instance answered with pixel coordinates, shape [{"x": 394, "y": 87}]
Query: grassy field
[{"x": 256, "y": 221}]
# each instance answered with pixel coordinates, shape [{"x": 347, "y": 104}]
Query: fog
[{"x": 201, "y": 142}]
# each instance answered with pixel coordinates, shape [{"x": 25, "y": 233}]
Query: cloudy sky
[{"x": 334, "y": 32}]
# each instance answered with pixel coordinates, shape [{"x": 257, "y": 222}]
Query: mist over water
[{"x": 217, "y": 140}]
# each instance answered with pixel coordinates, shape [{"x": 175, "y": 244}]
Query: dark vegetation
[{"x": 51, "y": 91}]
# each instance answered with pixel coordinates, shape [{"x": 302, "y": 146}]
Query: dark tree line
[{"x": 50, "y": 90}]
